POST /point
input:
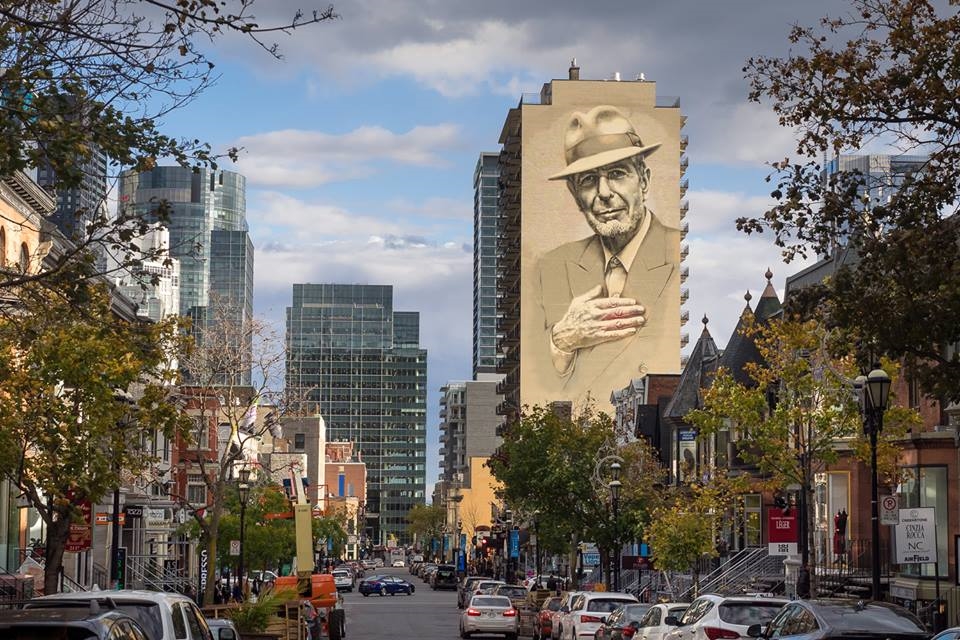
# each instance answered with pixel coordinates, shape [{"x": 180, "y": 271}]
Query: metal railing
[
  {"x": 145, "y": 573},
  {"x": 751, "y": 569}
]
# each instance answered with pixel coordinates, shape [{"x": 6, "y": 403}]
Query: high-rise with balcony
[
  {"x": 485, "y": 195},
  {"x": 210, "y": 238},
  {"x": 357, "y": 362}
]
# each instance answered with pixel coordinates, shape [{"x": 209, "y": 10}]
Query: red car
[{"x": 543, "y": 623}]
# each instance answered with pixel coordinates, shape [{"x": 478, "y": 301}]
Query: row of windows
[{"x": 23, "y": 260}]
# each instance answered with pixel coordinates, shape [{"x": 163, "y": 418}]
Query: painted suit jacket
[{"x": 653, "y": 280}]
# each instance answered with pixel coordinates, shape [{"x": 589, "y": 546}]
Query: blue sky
[{"x": 360, "y": 144}]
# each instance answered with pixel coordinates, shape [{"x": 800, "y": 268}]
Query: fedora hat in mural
[{"x": 597, "y": 138}]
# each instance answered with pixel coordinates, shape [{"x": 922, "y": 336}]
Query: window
[
  {"x": 24, "y": 263},
  {"x": 927, "y": 487},
  {"x": 179, "y": 627},
  {"x": 300, "y": 441}
]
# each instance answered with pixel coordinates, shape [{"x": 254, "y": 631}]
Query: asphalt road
[{"x": 426, "y": 615}]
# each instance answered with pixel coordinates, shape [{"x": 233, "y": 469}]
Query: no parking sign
[{"x": 889, "y": 510}]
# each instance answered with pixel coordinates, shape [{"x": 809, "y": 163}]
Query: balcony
[{"x": 684, "y": 209}]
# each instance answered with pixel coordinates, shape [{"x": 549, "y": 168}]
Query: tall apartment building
[
  {"x": 357, "y": 362},
  {"x": 882, "y": 175},
  {"x": 208, "y": 235},
  {"x": 76, "y": 206},
  {"x": 485, "y": 194},
  {"x": 468, "y": 427},
  {"x": 547, "y": 254}
]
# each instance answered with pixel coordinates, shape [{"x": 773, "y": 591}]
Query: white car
[
  {"x": 565, "y": 599},
  {"x": 654, "y": 625},
  {"x": 713, "y": 617},
  {"x": 343, "y": 579},
  {"x": 489, "y": 614},
  {"x": 398, "y": 563},
  {"x": 162, "y": 615},
  {"x": 587, "y": 611}
]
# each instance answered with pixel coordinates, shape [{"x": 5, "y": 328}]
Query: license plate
[{"x": 490, "y": 614}]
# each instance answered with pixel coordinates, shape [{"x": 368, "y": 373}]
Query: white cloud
[
  {"x": 713, "y": 211},
  {"x": 440, "y": 208},
  {"x": 749, "y": 135},
  {"x": 305, "y": 158},
  {"x": 274, "y": 215}
]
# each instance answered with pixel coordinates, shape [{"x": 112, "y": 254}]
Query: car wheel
[
  {"x": 511, "y": 636},
  {"x": 365, "y": 594},
  {"x": 383, "y": 591},
  {"x": 464, "y": 634}
]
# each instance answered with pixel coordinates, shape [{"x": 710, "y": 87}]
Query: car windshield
[
  {"x": 747, "y": 613},
  {"x": 491, "y": 601},
  {"x": 603, "y": 605},
  {"x": 636, "y": 612},
  {"x": 553, "y": 604},
  {"x": 870, "y": 617}
]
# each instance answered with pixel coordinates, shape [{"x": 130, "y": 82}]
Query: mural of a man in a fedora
[{"x": 598, "y": 296}]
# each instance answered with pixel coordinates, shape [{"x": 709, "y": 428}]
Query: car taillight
[
  {"x": 716, "y": 633},
  {"x": 472, "y": 612},
  {"x": 628, "y": 632},
  {"x": 590, "y": 619},
  {"x": 510, "y": 613}
]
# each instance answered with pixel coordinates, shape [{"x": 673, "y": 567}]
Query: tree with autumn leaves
[{"x": 84, "y": 391}]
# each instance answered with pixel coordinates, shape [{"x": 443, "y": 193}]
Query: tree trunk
[{"x": 57, "y": 533}]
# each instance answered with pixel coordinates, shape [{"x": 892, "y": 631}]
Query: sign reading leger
[{"x": 600, "y": 202}]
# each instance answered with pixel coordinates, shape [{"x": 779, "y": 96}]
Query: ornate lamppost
[
  {"x": 615, "y": 486},
  {"x": 243, "y": 489},
  {"x": 873, "y": 391}
]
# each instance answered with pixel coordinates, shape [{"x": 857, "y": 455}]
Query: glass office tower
[
  {"x": 358, "y": 363},
  {"x": 208, "y": 234},
  {"x": 485, "y": 211}
]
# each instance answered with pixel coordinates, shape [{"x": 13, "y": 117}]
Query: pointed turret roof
[
  {"x": 769, "y": 303},
  {"x": 697, "y": 375}
]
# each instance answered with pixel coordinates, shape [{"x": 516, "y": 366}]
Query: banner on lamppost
[
  {"x": 514, "y": 543},
  {"x": 204, "y": 566},
  {"x": 917, "y": 535}
]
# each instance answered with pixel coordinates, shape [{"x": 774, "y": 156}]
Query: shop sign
[
  {"x": 782, "y": 532},
  {"x": 917, "y": 536}
]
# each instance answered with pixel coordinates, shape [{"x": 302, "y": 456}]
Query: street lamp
[
  {"x": 536, "y": 546},
  {"x": 615, "y": 486},
  {"x": 244, "y": 490},
  {"x": 874, "y": 390}
]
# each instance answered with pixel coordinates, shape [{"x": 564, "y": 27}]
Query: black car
[
  {"x": 55, "y": 624},
  {"x": 622, "y": 622},
  {"x": 841, "y": 618},
  {"x": 444, "y": 577}
]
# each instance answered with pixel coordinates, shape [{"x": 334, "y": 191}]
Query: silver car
[{"x": 489, "y": 614}]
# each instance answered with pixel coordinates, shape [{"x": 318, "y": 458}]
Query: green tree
[
  {"x": 887, "y": 72},
  {"x": 561, "y": 468},
  {"x": 82, "y": 77},
  {"x": 426, "y": 522},
  {"x": 797, "y": 435},
  {"x": 83, "y": 394}
]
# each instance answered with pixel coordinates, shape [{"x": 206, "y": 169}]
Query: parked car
[
  {"x": 832, "y": 618},
  {"x": 465, "y": 590},
  {"x": 385, "y": 585},
  {"x": 398, "y": 563},
  {"x": 489, "y": 614},
  {"x": 517, "y": 594},
  {"x": 587, "y": 611},
  {"x": 162, "y": 615},
  {"x": 343, "y": 579},
  {"x": 715, "y": 617},
  {"x": 89, "y": 622},
  {"x": 368, "y": 563},
  {"x": 565, "y": 599},
  {"x": 444, "y": 577},
  {"x": 223, "y": 629},
  {"x": 622, "y": 623},
  {"x": 953, "y": 633},
  {"x": 543, "y": 623},
  {"x": 654, "y": 625}
]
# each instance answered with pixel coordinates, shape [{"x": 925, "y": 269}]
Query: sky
[{"x": 359, "y": 145}]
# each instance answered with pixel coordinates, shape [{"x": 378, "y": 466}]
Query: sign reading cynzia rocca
[{"x": 917, "y": 536}]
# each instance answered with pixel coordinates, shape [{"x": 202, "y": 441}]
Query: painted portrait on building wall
[{"x": 601, "y": 229}]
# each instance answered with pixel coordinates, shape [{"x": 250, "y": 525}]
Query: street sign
[
  {"x": 889, "y": 513},
  {"x": 782, "y": 532},
  {"x": 234, "y": 547},
  {"x": 917, "y": 536},
  {"x": 591, "y": 559}
]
